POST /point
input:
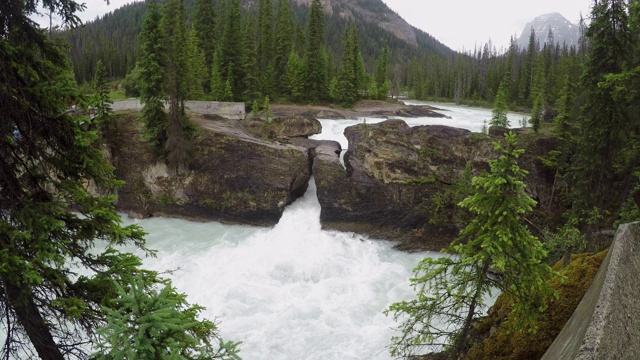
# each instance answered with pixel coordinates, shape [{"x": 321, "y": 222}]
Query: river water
[{"x": 294, "y": 291}]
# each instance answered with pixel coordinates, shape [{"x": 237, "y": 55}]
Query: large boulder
[
  {"x": 394, "y": 174},
  {"x": 235, "y": 179},
  {"x": 282, "y": 127}
]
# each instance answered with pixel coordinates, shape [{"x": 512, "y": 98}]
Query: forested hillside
[{"x": 113, "y": 37}]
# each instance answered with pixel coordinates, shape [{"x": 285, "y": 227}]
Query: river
[{"x": 294, "y": 291}]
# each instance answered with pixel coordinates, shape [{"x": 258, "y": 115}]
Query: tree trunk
[
  {"x": 468, "y": 322},
  {"x": 28, "y": 314}
]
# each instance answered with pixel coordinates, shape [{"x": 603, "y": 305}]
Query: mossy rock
[{"x": 499, "y": 343}]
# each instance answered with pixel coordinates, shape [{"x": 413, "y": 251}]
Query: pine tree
[
  {"x": 101, "y": 99},
  {"x": 295, "y": 77},
  {"x": 500, "y": 108},
  {"x": 217, "y": 84},
  {"x": 604, "y": 123},
  {"x": 283, "y": 44},
  {"x": 315, "y": 59},
  {"x": 175, "y": 35},
  {"x": 530, "y": 63},
  {"x": 359, "y": 70},
  {"x": 196, "y": 68},
  {"x": 266, "y": 41},
  {"x": 537, "y": 112},
  {"x": 149, "y": 324},
  {"x": 451, "y": 291},
  {"x": 50, "y": 224},
  {"x": 204, "y": 25},
  {"x": 344, "y": 87},
  {"x": 381, "y": 77},
  {"x": 153, "y": 64},
  {"x": 231, "y": 50},
  {"x": 250, "y": 66}
]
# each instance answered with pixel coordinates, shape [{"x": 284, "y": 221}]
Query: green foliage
[
  {"x": 250, "y": 67},
  {"x": 153, "y": 64},
  {"x": 196, "y": 76},
  {"x": 266, "y": 108},
  {"x": 283, "y": 44},
  {"x": 51, "y": 227},
  {"x": 451, "y": 291},
  {"x": 537, "y": 112},
  {"x": 204, "y": 26},
  {"x": 217, "y": 86},
  {"x": 174, "y": 27},
  {"x": 231, "y": 50},
  {"x": 295, "y": 77},
  {"x": 101, "y": 101},
  {"x": 315, "y": 64},
  {"x": 146, "y": 323},
  {"x": 630, "y": 211},
  {"x": 382, "y": 84},
  {"x": 566, "y": 241},
  {"x": 605, "y": 124},
  {"x": 500, "y": 108},
  {"x": 344, "y": 88},
  {"x": 443, "y": 205},
  {"x": 502, "y": 343},
  {"x": 131, "y": 83}
]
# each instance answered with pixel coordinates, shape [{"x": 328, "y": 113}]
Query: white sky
[
  {"x": 464, "y": 23},
  {"x": 459, "y": 24}
]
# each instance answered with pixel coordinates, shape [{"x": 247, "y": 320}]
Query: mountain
[
  {"x": 564, "y": 32},
  {"x": 113, "y": 38},
  {"x": 372, "y": 12}
]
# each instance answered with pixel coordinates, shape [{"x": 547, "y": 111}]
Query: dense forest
[
  {"x": 63, "y": 282},
  {"x": 271, "y": 30},
  {"x": 114, "y": 40}
]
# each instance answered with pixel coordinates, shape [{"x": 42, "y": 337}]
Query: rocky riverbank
[{"x": 396, "y": 183}]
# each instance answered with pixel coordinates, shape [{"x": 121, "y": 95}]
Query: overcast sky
[
  {"x": 463, "y": 23},
  {"x": 456, "y": 23}
]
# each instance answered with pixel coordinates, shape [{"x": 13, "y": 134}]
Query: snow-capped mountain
[{"x": 564, "y": 32}]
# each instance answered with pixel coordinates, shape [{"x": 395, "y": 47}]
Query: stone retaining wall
[
  {"x": 229, "y": 110},
  {"x": 606, "y": 323}
]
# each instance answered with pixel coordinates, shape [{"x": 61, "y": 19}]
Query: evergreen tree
[
  {"x": 196, "y": 69},
  {"x": 604, "y": 123},
  {"x": 451, "y": 291},
  {"x": 295, "y": 77},
  {"x": 153, "y": 64},
  {"x": 359, "y": 70},
  {"x": 530, "y": 63},
  {"x": 345, "y": 87},
  {"x": 217, "y": 84},
  {"x": 381, "y": 77},
  {"x": 50, "y": 224},
  {"x": 250, "y": 67},
  {"x": 176, "y": 45},
  {"x": 500, "y": 108},
  {"x": 266, "y": 53},
  {"x": 101, "y": 99},
  {"x": 204, "y": 25},
  {"x": 537, "y": 112},
  {"x": 149, "y": 324},
  {"x": 283, "y": 44},
  {"x": 231, "y": 50},
  {"x": 315, "y": 58}
]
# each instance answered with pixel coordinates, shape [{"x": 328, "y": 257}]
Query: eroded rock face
[
  {"x": 283, "y": 127},
  {"x": 393, "y": 174},
  {"x": 231, "y": 179}
]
